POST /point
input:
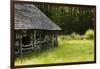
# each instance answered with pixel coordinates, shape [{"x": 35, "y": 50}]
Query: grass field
[{"x": 67, "y": 51}]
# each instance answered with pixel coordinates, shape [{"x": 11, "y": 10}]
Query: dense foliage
[
  {"x": 70, "y": 18},
  {"x": 89, "y": 34}
]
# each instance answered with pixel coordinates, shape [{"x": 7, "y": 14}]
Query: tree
[{"x": 70, "y": 18}]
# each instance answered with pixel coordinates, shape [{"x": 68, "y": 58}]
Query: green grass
[{"x": 67, "y": 51}]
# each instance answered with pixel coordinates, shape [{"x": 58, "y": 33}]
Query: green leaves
[{"x": 70, "y": 18}]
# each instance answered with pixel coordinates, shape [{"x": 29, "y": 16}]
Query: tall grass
[{"x": 67, "y": 51}]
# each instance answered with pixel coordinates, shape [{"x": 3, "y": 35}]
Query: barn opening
[{"x": 26, "y": 40}]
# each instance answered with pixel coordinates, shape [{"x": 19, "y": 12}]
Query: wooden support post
[
  {"x": 21, "y": 45},
  {"x": 55, "y": 39},
  {"x": 40, "y": 42},
  {"x": 34, "y": 38},
  {"x": 18, "y": 43}
]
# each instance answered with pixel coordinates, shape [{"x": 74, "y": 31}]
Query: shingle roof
[{"x": 27, "y": 16}]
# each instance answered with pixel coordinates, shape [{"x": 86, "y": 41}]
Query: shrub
[
  {"x": 89, "y": 34},
  {"x": 75, "y": 36},
  {"x": 65, "y": 37},
  {"x": 68, "y": 37}
]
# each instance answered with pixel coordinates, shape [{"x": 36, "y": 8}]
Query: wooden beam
[
  {"x": 55, "y": 39},
  {"x": 34, "y": 38},
  {"x": 21, "y": 45},
  {"x": 40, "y": 42}
]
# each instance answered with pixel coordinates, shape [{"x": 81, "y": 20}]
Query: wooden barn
[{"x": 34, "y": 31}]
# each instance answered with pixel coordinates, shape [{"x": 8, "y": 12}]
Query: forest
[{"x": 71, "y": 19}]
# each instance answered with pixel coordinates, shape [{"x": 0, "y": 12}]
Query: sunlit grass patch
[{"x": 67, "y": 51}]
